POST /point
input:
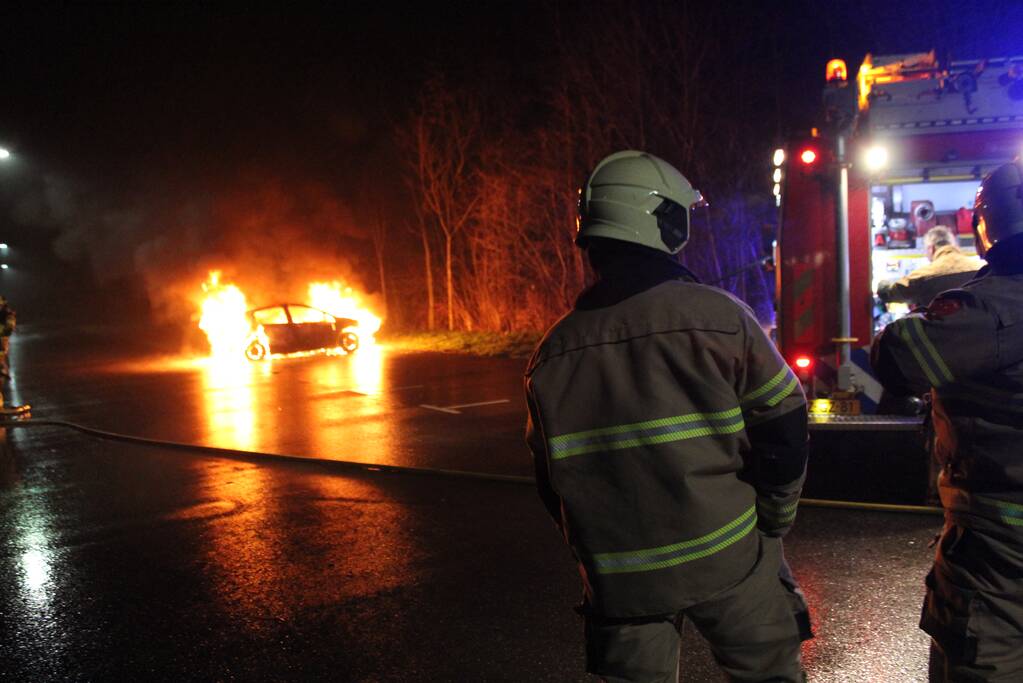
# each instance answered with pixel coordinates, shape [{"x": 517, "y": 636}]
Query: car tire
[
  {"x": 349, "y": 341},
  {"x": 256, "y": 351}
]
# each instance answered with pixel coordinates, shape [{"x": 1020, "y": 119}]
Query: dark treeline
[{"x": 492, "y": 168}]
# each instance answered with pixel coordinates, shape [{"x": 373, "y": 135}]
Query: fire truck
[{"x": 902, "y": 148}]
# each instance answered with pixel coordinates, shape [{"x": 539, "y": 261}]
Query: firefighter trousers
[
  {"x": 974, "y": 607},
  {"x": 753, "y": 629}
]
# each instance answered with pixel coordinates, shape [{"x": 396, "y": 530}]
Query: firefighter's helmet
[
  {"x": 998, "y": 210},
  {"x": 636, "y": 197}
]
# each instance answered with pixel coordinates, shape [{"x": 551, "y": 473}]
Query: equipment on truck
[{"x": 902, "y": 149}]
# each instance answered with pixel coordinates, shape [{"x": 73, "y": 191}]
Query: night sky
[{"x": 141, "y": 129}]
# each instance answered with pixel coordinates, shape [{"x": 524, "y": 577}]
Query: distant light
[
  {"x": 779, "y": 156},
  {"x": 808, "y": 156},
  {"x": 777, "y": 190},
  {"x": 4, "y": 153},
  {"x": 875, "y": 158},
  {"x": 4, "y": 266},
  {"x": 836, "y": 71},
  {"x": 777, "y": 200},
  {"x": 803, "y": 362},
  {"x": 777, "y": 175},
  {"x": 3, "y": 245}
]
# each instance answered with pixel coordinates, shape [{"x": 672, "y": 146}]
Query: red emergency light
[{"x": 808, "y": 156}]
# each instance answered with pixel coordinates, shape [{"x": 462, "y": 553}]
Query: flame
[
  {"x": 223, "y": 318},
  {"x": 230, "y": 332},
  {"x": 342, "y": 302}
]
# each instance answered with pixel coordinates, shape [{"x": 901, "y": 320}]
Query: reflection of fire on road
[{"x": 230, "y": 331}]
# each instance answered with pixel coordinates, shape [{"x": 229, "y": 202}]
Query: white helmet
[{"x": 636, "y": 197}]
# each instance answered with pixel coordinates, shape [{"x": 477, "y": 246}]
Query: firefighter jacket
[
  {"x": 950, "y": 269},
  {"x": 967, "y": 349},
  {"x": 665, "y": 429}
]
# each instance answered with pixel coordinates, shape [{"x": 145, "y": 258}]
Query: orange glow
[
  {"x": 983, "y": 240},
  {"x": 836, "y": 71},
  {"x": 803, "y": 362},
  {"x": 232, "y": 334},
  {"x": 342, "y": 302},
  {"x": 909, "y": 68},
  {"x": 808, "y": 156},
  {"x": 223, "y": 318}
]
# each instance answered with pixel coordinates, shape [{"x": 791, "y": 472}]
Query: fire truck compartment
[
  {"x": 902, "y": 213},
  {"x": 868, "y": 458}
]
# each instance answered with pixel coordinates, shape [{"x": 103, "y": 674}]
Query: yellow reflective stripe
[
  {"x": 649, "y": 424},
  {"x": 781, "y": 514},
  {"x": 786, "y": 390},
  {"x": 1009, "y": 513},
  {"x": 904, "y": 334},
  {"x": 918, "y": 324},
  {"x": 677, "y": 553},
  {"x": 773, "y": 392},
  {"x": 771, "y": 384},
  {"x": 648, "y": 433}
]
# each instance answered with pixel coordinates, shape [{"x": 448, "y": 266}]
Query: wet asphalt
[{"x": 126, "y": 562}]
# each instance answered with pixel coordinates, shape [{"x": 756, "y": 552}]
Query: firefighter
[
  {"x": 948, "y": 268},
  {"x": 966, "y": 347},
  {"x": 669, "y": 440},
  {"x": 7, "y": 324}
]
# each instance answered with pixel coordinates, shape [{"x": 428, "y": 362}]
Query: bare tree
[{"x": 446, "y": 130}]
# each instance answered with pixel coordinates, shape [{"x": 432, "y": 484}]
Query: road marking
[{"x": 454, "y": 410}]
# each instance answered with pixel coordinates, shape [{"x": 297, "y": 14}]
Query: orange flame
[
  {"x": 223, "y": 318},
  {"x": 343, "y": 302}
]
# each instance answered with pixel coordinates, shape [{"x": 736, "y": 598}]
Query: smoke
[
  {"x": 269, "y": 238},
  {"x": 269, "y": 235}
]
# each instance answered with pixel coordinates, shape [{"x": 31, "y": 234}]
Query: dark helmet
[{"x": 998, "y": 210}]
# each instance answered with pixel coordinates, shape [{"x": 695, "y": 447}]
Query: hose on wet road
[{"x": 350, "y": 465}]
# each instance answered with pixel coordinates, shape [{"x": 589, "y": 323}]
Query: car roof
[{"x": 289, "y": 305}]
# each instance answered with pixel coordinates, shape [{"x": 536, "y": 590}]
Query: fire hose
[{"x": 19, "y": 417}]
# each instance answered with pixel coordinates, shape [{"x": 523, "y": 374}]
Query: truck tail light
[
  {"x": 802, "y": 365},
  {"x": 808, "y": 156}
]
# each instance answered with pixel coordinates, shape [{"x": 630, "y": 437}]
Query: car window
[
  {"x": 305, "y": 314},
  {"x": 271, "y": 316}
]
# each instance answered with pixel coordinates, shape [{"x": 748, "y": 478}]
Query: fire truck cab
[{"x": 902, "y": 148}]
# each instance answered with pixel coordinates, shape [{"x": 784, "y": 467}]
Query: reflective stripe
[
  {"x": 771, "y": 393},
  {"x": 778, "y": 514},
  {"x": 663, "y": 430},
  {"x": 927, "y": 357},
  {"x": 1010, "y": 513},
  {"x": 677, "y": 553}
]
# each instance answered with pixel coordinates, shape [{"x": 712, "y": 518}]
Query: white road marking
[
  {"x": 454, "y": 410},
  {"x": 443, "y": 410}
]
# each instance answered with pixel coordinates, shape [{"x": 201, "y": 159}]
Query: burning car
[{"x": 291, "y": 328}]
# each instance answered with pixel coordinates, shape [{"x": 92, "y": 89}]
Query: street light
[{"x": 4, "y": 154}]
